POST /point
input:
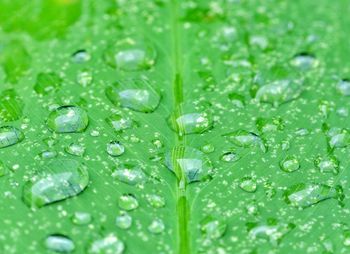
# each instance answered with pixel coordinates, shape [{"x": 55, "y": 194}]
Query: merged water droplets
[
  {"x": 109, "y": 244},
  {"x": 135, "y": 94},
  {"x": 243, "y": 138},
  {"x": 189, "y": 118},
  {"x": 59, "y": 180},
  {"x": 10, "y": 136},
  {"x": 130, "y": 173},
  {"x": 304, "y": 195},
  {"x": 129, "y": 55},
  {"x": 67, "y": 119},
  {"x": 59, "y": 244},
  {"x": 188, "y": 161}
]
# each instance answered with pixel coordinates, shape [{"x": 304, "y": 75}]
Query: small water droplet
[
  {"x": 208, "y": 148},
  {"x": 128, "y": 202},
  {"x": 343, "y": 87},
  {"x": 269, "y": 124},
  {"x": 49, "y": 154},
  {"x": 76, "y": 149},
  {"x": 81, "y": 218},
  {"x": 243, "y": 138},
  {"x": 81, "y": 56},
  {"x": 123, "y": 221},
  {"x": 157, "y": 226},
  {"x": 119, "y": 122},
  {"x": 130, "y": 173},
  {"x": 248, "y": 184},
  {"x": 290, "y": 164},
  {"x": 304, "y": 61},
  {"x": 84, "y": 78},
  {"x": 229, "y": 157},
  {"x": 338, "y": 138},
  {"x": 328, "y": 164},
  {"x": 59, "y": 243},
  {"x": 115, "y": 148},
  {"x": 10, "y": 136},
  {"x": 155, "y": 201},
  {"x": 110, "y": 244},
  {"x": 213, "y": 228},
  {"x": 68, "y": 119}
]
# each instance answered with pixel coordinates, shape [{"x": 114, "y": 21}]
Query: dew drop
[
  {"x": 81, "y": 218},
  {"x": 338, "y": 138},
  {"x": 76, "y": 149},
  {"x": 229, "y": 157},
  {"x": 59, "y": 180},
  {"x": 59, "y": 243},
  {"x": 304, "y": 61},
  {"x": 67, "y": 119},
  {"x": 119, "y": 122},
  {"x": 84, "y": 78},
  {"x": 248, "y": 184},
  {"x": 156, "y": 227},
  {"x": 130, "y": 173},
  {"x": 243, "y": 138},
  {"x": 123, "y": 221},
  {"x": 265, "y": 125},
  {"x": 208, "y": 148},
  {"x": 128, "y": 202},
  {"x": 290, "y": 164},
  {"x": 115, "y": 148},
  {"x": 49, "y": 154},
  {"x": 213, "y": 228},
  {"x": 328, "y": 164},
  {"x": 81, "y": 56},
  {"x": 110, "y": 244},
  {"x": 155, "y": 201},
  {"x": 135, "y": 94},
  {"x": 343, "y": 87},
  {"x": 10, "y": 136}
]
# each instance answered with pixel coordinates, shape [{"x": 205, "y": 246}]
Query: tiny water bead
[
  {"x": 115, "y": 148},
  {"x": 157, "y": 226},
  {"x": 343, "y": 87},
  {"x": 110, "y": 244},
  {"x": 68, "y": 119},
  {"x": 59, "y": 244},
  {"x": 76, "y": 149},
  {"x": 10, "y": 136},
  {"x": 212, "y": 227},
  {"x": 248, "y": 184},
  {"x": 59, "y": 180},
  {"x": 47, "y": 83},
  {"x": 81, "y": 218},
  {"x": 304, "y": 195},
  {"x": 129, "y": 55},
  {"x": 119, "y": 122},
  {"x": 155, "y": 201},
  {"x": 128, "y": 202},
  {"x": 130, "y": 173},
  {"x": 81, "y": 56},
  {"x": 279, "y": 92},
  {"x": 123, "y": 221},
  {"x": 290, "y": 164},
  {"x": 188, "y": 161},
  {"x": 328, "y": 164},
  {"x": 229, "y": 157},
  {"x": 135, "y": 94},
  {"x": 188, "y": 119},
  {"x": 243, "y": 138},
  {"x": 304, "y": 61}
]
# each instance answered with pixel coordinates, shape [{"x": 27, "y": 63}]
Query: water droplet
[
  {"x": 290, "y": 164},
  {"x": 59, "y": 243},
  {"x": 59, "y": 180},
  {"x": 190, "y": 161},
  {"x": 346, "y": 237},
  {"x": 130, "y": 173},
  {"x": 157, "y": 226},
  {"x": 48, "y": 154},
  {"x": 208, "y": 148},
  {"x": 68, "y": 119},
  {"x": 304, "y": 195},
  {"x": 243, "y": 138},
  {"x": 81, "y": 56},
  {"x": 10, "y": 136},
  {"x": 189, "y": 118},
  {"x": 157, "y": 143},
  {"x": 81, "y": 218},
  {"x": 338, "y": 138},
  {"x": 11, "y": 106},
  {"x": 110, "y": 244},
  {"x": 75, "y": 149},
  {"x": 269, "y": 124},
  {"x": 248, "y": 184},
  {"x": 123, "y": 221},
  {"x": 155, "y": 201},
  {"x": 328, "y": 164},
  {"x": 115, "y": 148},
  {"x": 47, "y": 83},
  {"x": 304, "y": 61},
  {"x": 128, "y": 202},
  {"x": 119, "y": 122},
  {"x": 213, "y": 228},
  {"x": 135, "y": 94},
  {"x": 130, "y": 56},
  {"x": 279, "y": 92},
  {"x": 237, "y": 100},
  {"x": 229, "y": 157},
  {"x": 343, "y": 87},
  {"x": 84, "y": 78}
]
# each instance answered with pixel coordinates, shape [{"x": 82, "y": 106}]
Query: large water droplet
[
  {"x": 68, "y": 119},
  {"x": 279, "y": 92},
  {"x": 188, "y": 118},
  {"x": 10, "y": 136},
  {"x": 59, "y": 180},
  {"x": 135, "y": 94},
  {"x": 130, "y": 173},
  {"x": 304, "y": 195},
  {"x": 47, "y": 83},
  {"x": 128, "y": 202},
  {"x": 110, "y": 244},
  {"x": 59, "y": 243},
  {"x": 130, "y": 56},
  {"x": 188, "y": 161},
  {"x": 246, "y": 139}
]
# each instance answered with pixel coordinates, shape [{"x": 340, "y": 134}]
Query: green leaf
[{"x": 172, "y": 126}]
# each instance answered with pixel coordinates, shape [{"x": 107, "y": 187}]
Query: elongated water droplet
[
  {"x": 188, "y": 119},
  {"x": 47, "y": 83},
  {"x": 130, "y": 173},
  {"x": 157, "y": 226},
  {"x": 246, "y": 139},
  {"x": 59, "y": 244},
  {"x": 123, "y": 221},
  {"x": 10, "y": 136},
  {"x": 213, "y": 228},
  {"x": 130, "y": 56},
  {"x": 304, "y": 195},
  {"x": 81, "y": 218},
  {"x": 68, "y": 119},
  {"x": 135, "y": 94},
  {"x": 59, "y": 180},
  {"x": 290, "y": 164},
  {"x": 110, "y": 244},
  {"x": 128, "y": 202},
  {"x": 115, "y": 148},
  {"x": 190, "y": 161}
]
